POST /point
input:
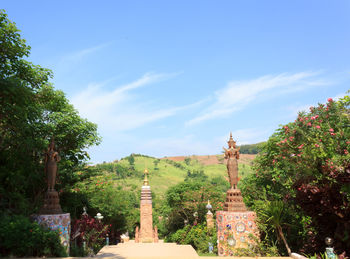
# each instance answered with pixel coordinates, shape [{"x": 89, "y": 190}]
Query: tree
[
  {"x": 31, "y": 112},
  {"x": 188, "y": 197},
  {"x": 306, "y": 163}
]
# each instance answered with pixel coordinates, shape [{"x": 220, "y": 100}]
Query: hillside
[
  {"x": 169, "y": 171},
  {"x": 213, "y": 159}
]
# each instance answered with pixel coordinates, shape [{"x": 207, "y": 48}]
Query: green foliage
[
  {"x": 198, "y": 236},
  {"x": 196, "y": 175},
  {"x": 188, "y": 197},
  {"x": 251, "y": 149},
  {"x": 31, "y": 112},
  {"x": 306, "y": 164},
  {"x": 92, "y": 231},
  {"x": 187, "y": 161},
  {"x": 259, "y": 248},
  {"x": 115, "y": 201},
  {"x": 20, "y": 237}
]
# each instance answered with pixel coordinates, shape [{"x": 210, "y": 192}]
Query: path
[
  {"x": 150, "y": 250},
  {"x": 159, "y": 250}
]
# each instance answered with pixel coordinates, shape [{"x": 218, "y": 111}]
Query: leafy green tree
[
  {"x": 188, "y": 197},
  {"x": 251, "y": 149},
  {"x": 187, "y": 160},
  {"x": 31, "y": 112},
  {"x": 117, "y": 202}
]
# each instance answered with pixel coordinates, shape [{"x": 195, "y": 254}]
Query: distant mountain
[{"x": 251, "y": 149}]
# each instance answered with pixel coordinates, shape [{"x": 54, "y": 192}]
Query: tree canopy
[
  {"x": 31, "y": 112},
  {"x": 306, "y": 164}
]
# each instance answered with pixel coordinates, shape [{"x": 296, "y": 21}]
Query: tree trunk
[{"x": 279, "y": 229}]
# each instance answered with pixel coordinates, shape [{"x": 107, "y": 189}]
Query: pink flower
[
  {"x": 309, "y": 124},
  {"x": 332, "y": 133},
  {"x": 291, "y": 138},
  {"x": 346, "y": 152},
  {"x": 317, "y": 145},
  {"x": 347, "y": 142},
  {"x": 318, "y": 127},
  {"x": 330, "y": 100},
  {"x": 301, "y": 146},
  {"x": 331, "y": 130}
]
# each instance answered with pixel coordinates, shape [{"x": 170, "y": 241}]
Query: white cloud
[
  {"x": 117, "y": 110},
  {"x": 80, "y": 54},
  {"x": 191, "y": 145},
  {"x": 238, "y": 94}
]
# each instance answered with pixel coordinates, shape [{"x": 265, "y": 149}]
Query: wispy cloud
[
  {"x": 117, "y": 109},
  {"x": 192, "y": 145},
  {"x": 82, "y": 53},
  {"x": 238, "y": 94}
]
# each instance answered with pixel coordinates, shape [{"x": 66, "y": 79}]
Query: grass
[{"x": 164, "y": 173}]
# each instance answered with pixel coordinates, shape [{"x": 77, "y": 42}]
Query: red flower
[
  {"x": 317, "y": 145},
  {"x": 301, "y": 146},
  {"x": 330, "y": 100}
]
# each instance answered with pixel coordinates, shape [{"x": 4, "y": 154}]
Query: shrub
[{"x": 20, "y": 237}]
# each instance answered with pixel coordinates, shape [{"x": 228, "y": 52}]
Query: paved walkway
[
  {"x": 160, "y": 250},
  {"x": 150, "y": 250}
]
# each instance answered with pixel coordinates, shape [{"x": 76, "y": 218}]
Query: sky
[{"x": 169, "y": 78}]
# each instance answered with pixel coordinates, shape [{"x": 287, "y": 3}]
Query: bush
[
  {"x": 20, "y": 237},
  {"x": 198, "y": 236}
]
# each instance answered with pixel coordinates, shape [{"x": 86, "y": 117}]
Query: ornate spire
[
  {"x": 231, "y": 142},
  {"x": 145, "y": 181}
]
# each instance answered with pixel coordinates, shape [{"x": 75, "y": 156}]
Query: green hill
[{"x": 166, "y": 172}]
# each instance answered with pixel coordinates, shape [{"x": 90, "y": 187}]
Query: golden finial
[{"x": 145, "y": 181}]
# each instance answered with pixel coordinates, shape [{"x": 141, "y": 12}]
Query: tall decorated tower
[
  {"x": 235, "y": 222},
  {"x": 146, "y": 233}
]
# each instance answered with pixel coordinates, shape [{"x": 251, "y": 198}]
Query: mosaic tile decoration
[
  {"x": 60, "y": 222},
  {"x": 233, "y": 229}
]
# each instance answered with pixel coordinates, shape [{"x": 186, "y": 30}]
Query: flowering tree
[
  {"x": 306, "y": 163},
  {"x": 90, "y": 230}
]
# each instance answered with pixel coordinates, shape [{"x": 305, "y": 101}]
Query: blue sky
[{"x": 167, "y": 78}]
